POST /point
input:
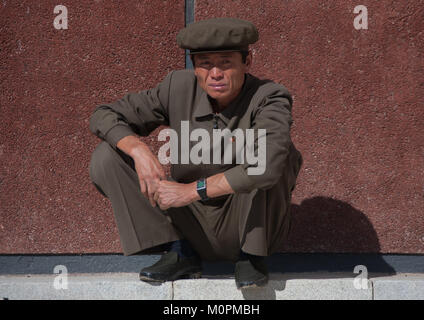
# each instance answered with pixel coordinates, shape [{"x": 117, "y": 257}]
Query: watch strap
[{"x": 201, "y": 189}]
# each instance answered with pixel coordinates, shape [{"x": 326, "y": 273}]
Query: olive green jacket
[{"x": 261, "y": 104}]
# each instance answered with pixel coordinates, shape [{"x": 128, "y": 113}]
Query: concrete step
[{"x": 287, "y": 286}]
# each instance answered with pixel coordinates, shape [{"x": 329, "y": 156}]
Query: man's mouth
[{"x": 217, "y": 86}]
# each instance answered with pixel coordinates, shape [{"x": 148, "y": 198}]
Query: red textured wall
[
  {"x": 358, "y": 114},
  {"x": 51, "y": 82}
]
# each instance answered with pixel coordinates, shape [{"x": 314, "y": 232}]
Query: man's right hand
[{"x": 147, "y": 166}]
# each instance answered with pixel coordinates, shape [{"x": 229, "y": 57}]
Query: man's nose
[{"x": 216, "y": 72}]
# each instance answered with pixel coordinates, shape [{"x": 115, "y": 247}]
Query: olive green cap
[{"x": 218, "y": 34}]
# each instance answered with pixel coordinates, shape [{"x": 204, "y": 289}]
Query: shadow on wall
[
  {"x": 322, "y": 224},
  {"x": 332, "y": 236}
]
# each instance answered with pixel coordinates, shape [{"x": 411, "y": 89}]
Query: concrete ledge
[
  {"x": 108, "y": 286},
  {"x": 399, "y": 287},
  {"x": 120, "y": 286},
  {"x": 280, "y": 287}
]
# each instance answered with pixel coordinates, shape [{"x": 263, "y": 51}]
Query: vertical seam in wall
[{"x": 188, "y": 18}]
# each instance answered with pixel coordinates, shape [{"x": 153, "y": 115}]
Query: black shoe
[
  {"x": 171, "y": 267},
  {"x": 251, "y": 273}
]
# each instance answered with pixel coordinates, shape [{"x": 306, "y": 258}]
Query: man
[{"x": 213, "y": 210}]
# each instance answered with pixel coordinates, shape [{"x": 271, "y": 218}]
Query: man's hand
[
  {"x": 174, "y": 194},
  {"x": 153, "y": 183},
  {"x": 147, "y": 166}
]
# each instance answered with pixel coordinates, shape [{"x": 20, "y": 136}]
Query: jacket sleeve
[
  {"x": 274, "y": 115},
  {"x": 136, "y": 113}
]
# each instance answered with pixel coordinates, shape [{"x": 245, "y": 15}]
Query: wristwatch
[{"x": 201, "y": 189}]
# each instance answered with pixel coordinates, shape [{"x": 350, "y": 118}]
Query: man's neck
[{"x": 217, "y": 107}]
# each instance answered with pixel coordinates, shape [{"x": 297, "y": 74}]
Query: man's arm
[
  {"x": 148, "y": 168},
  {"x": 136, "y": 113},
  {"x": 217, "y": 185},
  {"x": 140, "y": 113},
  {"x": 274, "y": 115},
  {"x": 174, "y": 194}
]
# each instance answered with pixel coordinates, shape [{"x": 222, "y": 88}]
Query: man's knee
[{"x": 102, "y": 161}]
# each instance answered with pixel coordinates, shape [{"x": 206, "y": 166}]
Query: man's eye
[{"x": 226, "y": 63}]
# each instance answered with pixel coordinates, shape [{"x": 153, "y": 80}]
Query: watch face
[{"x": 201, "y": 184}]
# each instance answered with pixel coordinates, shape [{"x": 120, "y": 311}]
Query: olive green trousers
[{"x": 257, "y": 222}]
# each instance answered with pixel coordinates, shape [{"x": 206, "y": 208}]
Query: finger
[
  {"x": 160, "y": 171},
  {"x": 159, "y": 202},
  {"x": 162, "y": 174},
  {"x": 143, "y": 187},
  {"x": 150, "y": 197},
  {"x": 163, "y": 206},
  {"x": 156, "y": 195},
  {"x": 151, "y": 188}
]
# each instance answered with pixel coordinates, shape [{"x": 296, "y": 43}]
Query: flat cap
[{"x": 218, "y": 34}]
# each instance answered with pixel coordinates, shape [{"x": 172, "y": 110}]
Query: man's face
[{"x": 221, "y": 74}]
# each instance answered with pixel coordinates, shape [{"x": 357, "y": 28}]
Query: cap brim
[{"x": 217, "y": 50}]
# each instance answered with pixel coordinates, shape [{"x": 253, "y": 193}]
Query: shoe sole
[{"x": 194, "y": 275}]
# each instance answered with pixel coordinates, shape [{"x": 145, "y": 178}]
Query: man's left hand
[{"x": 173, "y": 194}]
